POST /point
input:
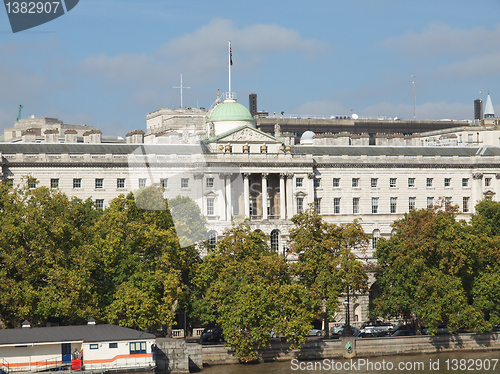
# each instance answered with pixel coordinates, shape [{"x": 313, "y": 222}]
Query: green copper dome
[{"x": 230, "y": 110}]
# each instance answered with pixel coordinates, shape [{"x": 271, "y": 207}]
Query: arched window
[
  {"x": 212, "y": 239},
  {"x": 394, "y": 232},
  {"x": 375, "y": 236},
  {"x": 275, "y": 240}
]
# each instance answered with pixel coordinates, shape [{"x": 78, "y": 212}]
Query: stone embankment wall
[
  {"x": 177, "y": 356},
  {"x": 367, "y": 347}
]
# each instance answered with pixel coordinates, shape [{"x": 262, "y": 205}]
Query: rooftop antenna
[
  {"x": 19, "y": 113},
  {"x": 230, "y": 63},
  {"x": 181, "y": 87},
  {"x": 414, "y": 99}
]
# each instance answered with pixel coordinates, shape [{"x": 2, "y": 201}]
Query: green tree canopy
[
  {"x": 327, "y": 266},
  {"x": 249, "y": 290},
  {"x": 435, "y": 268}
]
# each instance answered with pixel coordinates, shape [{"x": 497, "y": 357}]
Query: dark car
[
  {"x": 403, "y": 330},
  {"x": 212, "y": 334}
]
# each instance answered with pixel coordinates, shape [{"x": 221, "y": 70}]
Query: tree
[
  {"x": 327, "y": 266},
  {"x": 45, "y": 262},
  {"x": 249, "y": 290},
  {"x": 435, "y": 268},
  {"x": 144, "y": 270}
]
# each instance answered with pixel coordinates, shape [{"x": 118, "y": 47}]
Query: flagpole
[{"x": 230, "y": 63}]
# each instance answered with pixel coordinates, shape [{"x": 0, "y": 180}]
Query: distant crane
[{"x": 19, "y": 114}]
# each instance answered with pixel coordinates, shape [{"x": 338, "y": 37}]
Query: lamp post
[{"x": 347, "y": 327}]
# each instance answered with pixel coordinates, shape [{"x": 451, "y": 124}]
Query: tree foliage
[
  {"x": 249, "y": 290},
  {"x": 439, "y": 269},
  {"x": 327, "y": 265},
  {"x": 63, "y": 258}
]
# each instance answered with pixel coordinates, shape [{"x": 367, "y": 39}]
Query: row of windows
[
  {"x": 120, "y": 183},
  {"x": 135, "y": 347},
  {"x": 393, "y": 203},
  {"x": 411, "y": 182}
]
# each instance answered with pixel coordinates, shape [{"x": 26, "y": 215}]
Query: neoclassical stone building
[{"x": 235, "y": 171}]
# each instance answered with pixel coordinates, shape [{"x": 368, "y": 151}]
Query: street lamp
[{"x": 347, "y": 327}]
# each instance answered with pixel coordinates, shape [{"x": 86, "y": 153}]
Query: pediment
[{"x": 246, "y": 134}]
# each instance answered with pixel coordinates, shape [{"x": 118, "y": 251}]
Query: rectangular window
[
  {"x": 355, "y": 182},
  {"x": 77, "y": 182},
  {"x": 430, "y": 202},
  {"x": 184, "y": 182},
  {"x": 429, "y": 182},
  {"x": 411, "y": 182},
  {"x": 300, "y": 204},
  {"x": 392, "y": 182},
  {"x": 447, "y": 182},
  {"x": 32, "y": 183},
  {"x": 336, "y": 205},
  {"x": 54, "y": 183},
  {"x": 470, "y": 138},
  {"x": 447, "y": 201},
  {"x": 137, "y": 347},
  {"x": 336, "y": 182},
  {"x": 411, "y": 203},
  {"x": 120, "y": 182},
  {"x": 487, "y": 182},
  {"x": 317, "y": 182},
  {"x": 299, "y": 182},
  {"x": 253, "y": 206},
  {"x": 465, "y": 182},
  {"x": 465, "y": 206},
  {"x": 394, "y": 204},
  {"x": 317, "y": 205},
  {"x": 99, "y": 182},
  {"x": 113, "y": 345},
  {"x": 374, "y": 182},
  {"x": 355, "y": 205},
  {"x": 210, "y": 206},
  {"x": 374, "y": 205},
  {"x": 164, "y": 182},
  {"x": 142, "y": 182},
  {"x": 99, "y": 204},
  {"x": 210, "y": 182},
  {"x": 94, "y": 346}
]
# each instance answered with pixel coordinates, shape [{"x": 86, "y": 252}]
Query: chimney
[
  {"x": 26, "y": 324},
  {"x": 136, "y": 136},
  {"x": 91, "y": 321},
  {"x": 51, "y": 135},
  {"x": 92, "y": 136},
  {"x": 70, "y": 136}
]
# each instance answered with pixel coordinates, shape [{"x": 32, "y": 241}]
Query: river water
[{"x": 450, "y": 362}]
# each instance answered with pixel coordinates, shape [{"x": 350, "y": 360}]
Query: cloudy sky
[{"x": 107, "y": 63}]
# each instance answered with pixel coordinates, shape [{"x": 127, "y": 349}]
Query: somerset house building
[{"x": 234, "y": 171}]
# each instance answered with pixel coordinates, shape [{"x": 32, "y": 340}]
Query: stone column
[
  {"x": 282, "y": 196},
  {"x": 264, "y": 195},
  {"x": 229, "y": 202},
  {"x": 246, "y": 193},
  {"x": 477, "y": 188},
  {"x": 289, "y": 196},
  {"x": 310, "y": 190},
  {"x": 222, "y": 197},
  {"x": 198, "y": 178}
]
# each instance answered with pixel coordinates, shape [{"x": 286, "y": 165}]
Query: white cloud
[
  {"x": 201, "y": 55},
  {"x": 476, "y": 66},
  {"x": 440, "y": 40}
]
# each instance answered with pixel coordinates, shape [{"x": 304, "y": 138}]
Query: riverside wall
[
  {"x": 319, "y": 349},
  {"x": 178, "y": 356}
]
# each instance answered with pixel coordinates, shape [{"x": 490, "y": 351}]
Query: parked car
[
  {"x": 442, "y": 328},
  {"x": 376, "y": 328},
  {"x": 338, "y": 331},
  {"x": 403, "y": 330},
  {"x": 315, "y": 332},
  {"x": 212, "y": 334}
]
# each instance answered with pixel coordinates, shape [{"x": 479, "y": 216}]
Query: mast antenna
[{"x": 181, "y": 87}]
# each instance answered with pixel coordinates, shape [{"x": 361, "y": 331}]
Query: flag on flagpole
[{"x": 230, "y": 54}]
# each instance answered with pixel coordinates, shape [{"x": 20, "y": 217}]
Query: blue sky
[{"x": 107, "y": 63}]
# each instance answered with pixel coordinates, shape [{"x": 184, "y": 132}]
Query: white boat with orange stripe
[{"x": 86, "y": 347}]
